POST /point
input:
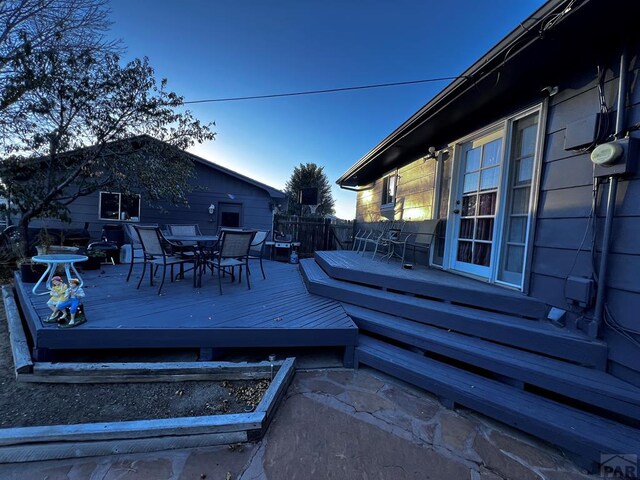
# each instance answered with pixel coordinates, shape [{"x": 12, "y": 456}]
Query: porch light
[{"x": 212, "y": 209}]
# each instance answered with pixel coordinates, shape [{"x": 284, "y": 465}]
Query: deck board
[
  {"x": 429, "y": 282},
  {"x": 275, "y": 312}
]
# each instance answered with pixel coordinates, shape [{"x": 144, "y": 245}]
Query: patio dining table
[
  {"x": 204, "y": 242},
  {"x": 199, "y": 239}
]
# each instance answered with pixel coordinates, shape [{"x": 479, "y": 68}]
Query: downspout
[{"x": 594, "y": 326}]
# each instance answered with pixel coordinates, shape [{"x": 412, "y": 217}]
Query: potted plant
[
  {"x": 30, "y": 271},
  {"x": 96, "y": 257},
  {"x": 45, "y": 240}
]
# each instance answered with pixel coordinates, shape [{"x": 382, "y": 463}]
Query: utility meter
[
  {"x": 607, "y": 154},
  {"x": 615, "y": 158}
]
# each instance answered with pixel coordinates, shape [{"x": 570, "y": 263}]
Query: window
[
  {"x": 119, "y": 206},
  {"x": 389, "y": 190}
]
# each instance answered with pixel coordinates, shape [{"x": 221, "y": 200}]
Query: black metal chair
[
  {"x": 233, "y": 251},
  {"x": 256, "y": 251},
  {"x": 134, "y": 243},
  {"x": 157, "y": 252}
]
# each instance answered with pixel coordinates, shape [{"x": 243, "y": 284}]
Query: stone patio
[{"x": 342, "y": 424}]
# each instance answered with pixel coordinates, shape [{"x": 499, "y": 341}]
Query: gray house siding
[
  {"x": 563, "y": 217},
  {"x": 563, "y": 231},
  {"x": 210, "y": 186}
]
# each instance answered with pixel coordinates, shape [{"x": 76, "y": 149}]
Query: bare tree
[{"x": 32, "y": 29}]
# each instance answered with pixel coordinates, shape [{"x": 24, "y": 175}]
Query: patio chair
[
  {"x": 157, "y": 252},
  {"x": 134, "y": 243},
  {"x": 387, "y": 237},
  {"x": 361, "y": 239},
  {"x": 184, "y": 230},
  {"x": 256, "y": 250},
  {"x": 233, "y": 252}
]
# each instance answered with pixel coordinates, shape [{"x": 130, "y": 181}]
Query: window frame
[
  {"x": 120, "y": 195},
  {"x": 389, "y": 201}
]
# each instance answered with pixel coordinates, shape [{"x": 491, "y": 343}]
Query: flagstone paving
[{"x": 341, "y": 424}]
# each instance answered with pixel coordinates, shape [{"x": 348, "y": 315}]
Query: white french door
[
  {"x": 476, "y": 205},
  {"x": 492, "y": 192}
]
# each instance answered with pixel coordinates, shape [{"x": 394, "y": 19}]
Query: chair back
[
  {"x": 132, "y": 234},
  {"x": 260, "y": 237},
  {"x": 184, "y": 229},
  {"x": 151, "y": 240},
  {"x": 257, "y": 245},
  {"x": 235, "y": 244}
]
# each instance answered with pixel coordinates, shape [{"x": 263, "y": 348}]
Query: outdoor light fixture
[
  {"x": 212, "y": 210},
  {"x": 432, "y": 154}
]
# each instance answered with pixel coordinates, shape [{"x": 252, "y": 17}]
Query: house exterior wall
[
  {"x": 210, "y": 186},
  {"x": 563, "y": 231},
  {"x": 564, "y": 209},
  {"x": 415, "y": 194}
]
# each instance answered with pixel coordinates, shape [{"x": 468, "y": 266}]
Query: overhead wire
[{"x": 322, "y": 91}]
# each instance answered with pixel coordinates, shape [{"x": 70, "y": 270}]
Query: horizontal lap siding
[
  {"x": 414, "y": 195},
  {"x": 213, "y": 187},
  {"x": 563, "y": 222}
]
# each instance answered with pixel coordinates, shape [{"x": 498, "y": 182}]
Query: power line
[{"x": 328, "y": 90}]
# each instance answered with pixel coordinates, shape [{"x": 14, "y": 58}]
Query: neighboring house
[
  {"x": 237, "y": 201},
  {"x": 502, "y": 157}
]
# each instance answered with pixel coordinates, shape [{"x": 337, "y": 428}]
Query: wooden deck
[
  {"x": 427, "y": 282},
  {"x": 276, "y": 312}
]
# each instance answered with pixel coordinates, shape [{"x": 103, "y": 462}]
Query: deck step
[
  {"x": 585, "y": 435},
  {"x": 535, "y": 336},
  {"x": 587, "y": 385},
  {"x": 352, "y": 267}
]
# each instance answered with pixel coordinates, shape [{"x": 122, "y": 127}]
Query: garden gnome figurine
[
  {"x": 74, "y": 294},
  {"x": 58, "y": 293}
]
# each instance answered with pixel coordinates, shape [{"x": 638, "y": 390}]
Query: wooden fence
[{"x": 316, "y": 233}]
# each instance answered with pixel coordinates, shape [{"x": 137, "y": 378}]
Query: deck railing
[{"x": 316, "y": 233}]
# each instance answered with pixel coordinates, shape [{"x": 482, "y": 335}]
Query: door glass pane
[
  {"x": 470, "y": 182},
  {"x": 487, "y": 204},
  {"x": 517, "y": 229},
  {"x": 489, "y": 178},
  {"x": 482, "y": 254},
  {"x": 466, "y": 228},
  {"x": 469, "y": 205},
  {"x": 514, "y": 258},
  {"x": 473, "y": 160},
  {"x": 492, "y": 153},
  {"x": 520, "y": 201},
  {"x": 525, "y": 170},
  {"x": 464, "y": 251},
  {"x": 485, "y": 229},
  {"x": 528, "y": 142}
]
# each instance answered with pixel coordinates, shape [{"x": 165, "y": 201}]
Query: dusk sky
[{"x": 211, "y": 49}]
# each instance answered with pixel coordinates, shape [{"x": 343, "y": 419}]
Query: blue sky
[{"x": 210, "y": 49}]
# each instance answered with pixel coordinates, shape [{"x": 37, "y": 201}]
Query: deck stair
[
  {"x": 545, "y": 380},
  {"x": 583, "y": 435},
  {"x": 536, "y": 336}
]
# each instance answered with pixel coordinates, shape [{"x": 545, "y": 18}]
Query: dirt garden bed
[
  {"x": 88, "y": 409},
  {"x": 29, "y": 404}
]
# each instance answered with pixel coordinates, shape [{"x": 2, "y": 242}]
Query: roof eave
[{"x": 452, "y": 90}]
